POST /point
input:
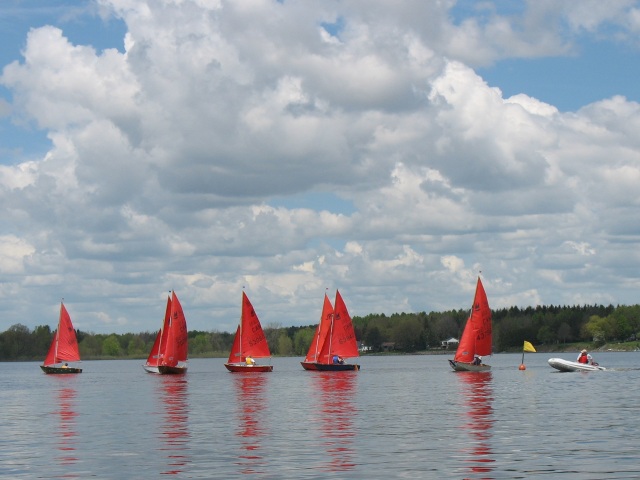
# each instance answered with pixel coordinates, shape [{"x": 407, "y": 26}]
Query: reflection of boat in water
[
  {"x": 66, "y": 410},
  {"x": 250, "y": 390},
  {"x": 476, "y": 389},
  {"x": 175, "y": 428},
  {"x": 336, "y": 411}
]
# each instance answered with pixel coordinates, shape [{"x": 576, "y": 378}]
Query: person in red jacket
[{"x": 584, "y": 357}]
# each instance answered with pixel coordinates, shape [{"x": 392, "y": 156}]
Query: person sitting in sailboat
[
  {"x": 477, "y": 360},
  {"x": 249, "y": 361},
  {"x": 337, "y": 359}
]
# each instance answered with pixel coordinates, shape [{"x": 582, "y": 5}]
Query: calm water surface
[{"x": 399, "y": 417}]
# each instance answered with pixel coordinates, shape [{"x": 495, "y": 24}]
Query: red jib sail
[
  {"x": 250, "y": 340},
  {"x": 320, "y": 334},
  {"x": 64, "y": 347},
  {"x": 177, "y": 343},
  {"x": 341, "y": 339},
  {"x": 160, "y": 345},
  {"x": 476, "y": 337},
  {"x": 235, "y": 355}
]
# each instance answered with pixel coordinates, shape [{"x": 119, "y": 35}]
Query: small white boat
[{"x": 568, "y": 366}]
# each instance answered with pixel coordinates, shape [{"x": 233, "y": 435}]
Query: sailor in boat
[
  {"x": 66, "y": 365},
  {"x": 477, "y": 360},
  {"x": 586, "y": 358},
  {"x": 249, "y": 361},
  {"x": 337, "y": 359}
]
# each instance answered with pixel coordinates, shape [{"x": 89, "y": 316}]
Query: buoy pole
[{"x": 522, "y": 366}]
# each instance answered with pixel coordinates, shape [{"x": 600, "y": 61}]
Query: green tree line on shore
[{"x": 401, "y": 332}]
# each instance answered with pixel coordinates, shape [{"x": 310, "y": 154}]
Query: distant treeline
[{"x": 402, "y": 332}]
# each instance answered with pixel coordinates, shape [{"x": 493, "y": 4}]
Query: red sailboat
[
  {"x": 476, "y": 337},
  {"x": 339, "y": 343},
  {"x": 170, "y": 350},
  {"x": 319, "y": 336},
  {"x": 249, "y": 343},
  {"x": 64, "y": 347}
]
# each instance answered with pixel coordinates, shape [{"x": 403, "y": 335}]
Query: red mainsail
[
  {"x": 250, "y": 339},
  {"x": 476, "y": 337},
  {"x": 341, "y": 339},
  {"x": 64, "y": 347},
  {"x": 320, "y": 334},
  {"x": 177, "y": 347}
]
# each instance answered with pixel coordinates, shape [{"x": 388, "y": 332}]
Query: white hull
[
  {"x": 567, "y": 366},
  {"x": 151, "y": 368}
]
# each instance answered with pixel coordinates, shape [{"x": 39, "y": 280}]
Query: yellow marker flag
[{"x": 528, "y": 347}]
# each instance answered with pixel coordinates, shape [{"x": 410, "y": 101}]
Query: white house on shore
[{"x": 449, "y": 344}]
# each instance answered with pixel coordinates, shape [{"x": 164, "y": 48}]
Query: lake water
[{"x": 398, "y": 417}]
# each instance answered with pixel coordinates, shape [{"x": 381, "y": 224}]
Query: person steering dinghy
[{"x": 586, "y": 358}]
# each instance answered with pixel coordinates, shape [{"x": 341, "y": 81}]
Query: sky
[{"x": 391, "y": 150}]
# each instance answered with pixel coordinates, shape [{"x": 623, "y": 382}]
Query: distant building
[
  {"x": 363, "y": 348},
  {"x": 388, "y": 346},
  {"x": 450, "y": 344}
]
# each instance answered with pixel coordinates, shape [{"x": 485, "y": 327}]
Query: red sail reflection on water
[
  {"x": 336, "y": 394},
  {"x": 478, "y": 398},
  {"x": 66, "y": 410},
  {"x": 175, "y": 427},
  {"x": 250, "y": 392}
]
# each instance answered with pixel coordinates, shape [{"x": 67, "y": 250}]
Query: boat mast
[
  {"x": 318, "y": 340},
  {"x": 475, "y": 296},
  {"x": 240, "y": 329},
  {"x": 330, "y": 337},
  {"x": 55, "y": 355},
  {"x": 318, "y": 332},
  {"x": 160, "y": 352}
]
